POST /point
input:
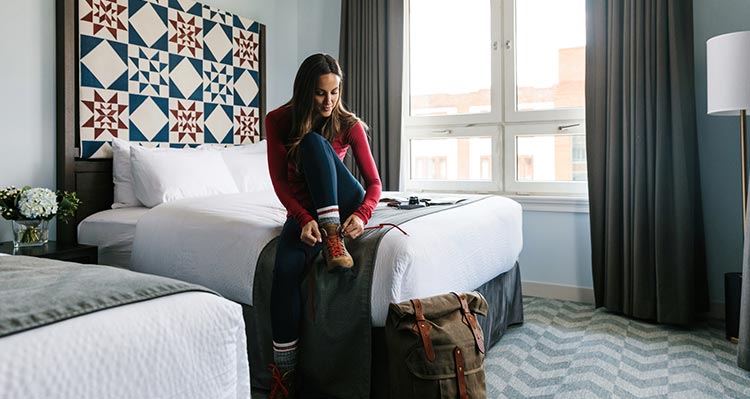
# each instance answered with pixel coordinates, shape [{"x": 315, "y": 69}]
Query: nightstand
[{"x": 72, "y": 253}]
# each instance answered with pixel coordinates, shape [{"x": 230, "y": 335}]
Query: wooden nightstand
[{"x": 73, "y": 253}]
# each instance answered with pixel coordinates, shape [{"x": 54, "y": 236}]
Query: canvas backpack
[{"x": 436, "y": 347}]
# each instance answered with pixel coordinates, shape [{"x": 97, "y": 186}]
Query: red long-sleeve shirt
[{"x": 290, "y": 186}]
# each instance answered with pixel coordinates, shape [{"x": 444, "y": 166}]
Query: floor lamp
[{"x": 728, "y": 84}]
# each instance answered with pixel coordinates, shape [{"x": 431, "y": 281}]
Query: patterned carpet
[{"x": 569, "y": 350}]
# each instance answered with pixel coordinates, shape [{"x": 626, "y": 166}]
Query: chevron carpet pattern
[{"x": 569, "y": 350}]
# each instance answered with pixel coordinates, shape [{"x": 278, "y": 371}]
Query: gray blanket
[
  {"x": 35, "y": 292},
  {"x": 335, "y": 340}
]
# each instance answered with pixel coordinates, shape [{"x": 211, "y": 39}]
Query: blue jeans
[{"x": 329, "y": 183}]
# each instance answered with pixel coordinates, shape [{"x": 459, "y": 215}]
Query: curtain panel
[
  {"x": 648, "y": 250},
  {"x": 371, "y": 56}
]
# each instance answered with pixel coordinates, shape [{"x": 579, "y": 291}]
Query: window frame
[{"x": 503, "y": 124}]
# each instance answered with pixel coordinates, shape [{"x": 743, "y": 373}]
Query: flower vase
[{"x": 30, "y": 233}]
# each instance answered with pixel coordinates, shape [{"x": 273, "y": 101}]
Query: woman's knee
[{"x": 313, "y": 141}]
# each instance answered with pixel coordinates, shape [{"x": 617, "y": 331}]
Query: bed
[
  {"x": 188, "y": 344},
  {"x": 258, "y": 217},
  {"x": 218, "y": 241}
]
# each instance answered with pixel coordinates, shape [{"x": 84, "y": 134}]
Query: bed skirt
[{"x": 503, "y": 294}]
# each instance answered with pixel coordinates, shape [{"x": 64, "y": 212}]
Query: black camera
[{"x": 414, "y": 202}]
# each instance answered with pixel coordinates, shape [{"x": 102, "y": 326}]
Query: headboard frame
[{"x": 91, "y": 179}]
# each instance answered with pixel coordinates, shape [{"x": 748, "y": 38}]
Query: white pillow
[
  {"x": 122, "y": 176},
  {"x": 248, "y": 164},
  {"x": 163, "y": 176},
  {"x": 249, "y": 170}
]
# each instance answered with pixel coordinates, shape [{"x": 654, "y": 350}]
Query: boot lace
[
  {"x": 335, "y": 245},
  {"x": 279, "y": 381}
]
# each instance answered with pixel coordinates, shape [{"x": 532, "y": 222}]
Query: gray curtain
[
  {"x": 370, "y": 54},
  {"x": 743, "y": 349},
  {"x": 648, "y": 251}
]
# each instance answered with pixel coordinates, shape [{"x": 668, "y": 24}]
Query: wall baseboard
[
  {"x": 586, "y": 295},
  {"x": 558, "y": 291}
]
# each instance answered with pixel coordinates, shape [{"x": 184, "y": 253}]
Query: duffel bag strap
[
  {"x": 471, "y": 321},
  {"x": 460, "y": 379},
  {"x": 424, "y": 329}
]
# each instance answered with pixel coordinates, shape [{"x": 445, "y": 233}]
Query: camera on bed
[{"x": 412, "y": 203}]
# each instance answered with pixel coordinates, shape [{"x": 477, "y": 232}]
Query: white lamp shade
[{"x": 728, "y": 73}]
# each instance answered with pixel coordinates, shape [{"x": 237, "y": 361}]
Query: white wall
[
  {"x": 27, "y": 97},
  {"x": 319, "y": 23},
  {"x": 556, "y": 249}
]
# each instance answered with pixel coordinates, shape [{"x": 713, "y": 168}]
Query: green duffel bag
[{"x": 436, "y": 347}]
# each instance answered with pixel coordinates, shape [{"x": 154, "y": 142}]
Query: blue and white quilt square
[
  {"x": 246, "y": 87},
  {"x": 149, "y": 119},
  {"x": 148, "y": 25},
  {"x": 103, "y": 64},
  {"x": 148, "y": 71},
  {"x": 218, "y": 83},
  {"x": 217, "y": 42},
  {"x": 185, "y": 78}
]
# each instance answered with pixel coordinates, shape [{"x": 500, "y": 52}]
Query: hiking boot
[
  {"x": 283, "y": 383},
  {"x": 334, "y": 251}
]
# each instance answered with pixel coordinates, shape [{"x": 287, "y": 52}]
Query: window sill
[
  {"x": 543, "y": 203},
  {"x": 533, "y": 203}
]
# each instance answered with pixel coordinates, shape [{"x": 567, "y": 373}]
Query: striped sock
[
  {"x": 329, "y": 215},
  {"x": 285, "y": 354}
]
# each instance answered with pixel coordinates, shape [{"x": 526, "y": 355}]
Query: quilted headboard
[{"x": 159, "y": 72}]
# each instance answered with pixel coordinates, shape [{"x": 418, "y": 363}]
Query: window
[
  {"x": 495, "y": 96},
  {"x": 544, "y": 159},
  {"x": 450, "y": 59},
  {"x": 545, "y": 66}
]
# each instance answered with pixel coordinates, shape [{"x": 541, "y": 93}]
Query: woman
[{"x": 307, "y": 140}]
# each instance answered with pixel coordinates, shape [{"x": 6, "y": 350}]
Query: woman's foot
[
  {"x": 283, "y": 383},
  {"x": 334, "y": 251}
]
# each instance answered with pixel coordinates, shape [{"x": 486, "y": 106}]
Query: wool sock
[
  {"x": 329, "y": 215},
  {"x": 285, "y": 354}
]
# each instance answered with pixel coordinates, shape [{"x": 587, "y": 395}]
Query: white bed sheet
[
  {"x": 187, "y": 345},
  {"x": 112, "y": 231},
  {"x": 458, "y": 249}
]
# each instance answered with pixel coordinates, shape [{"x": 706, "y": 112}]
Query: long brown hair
[{"x": 302, "y": 103}]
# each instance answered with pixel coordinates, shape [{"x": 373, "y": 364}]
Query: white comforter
[
  {"x": 211, "y": 241},
  {"x": 188, "y": 345},
  {"x": 216, "y": 241}
]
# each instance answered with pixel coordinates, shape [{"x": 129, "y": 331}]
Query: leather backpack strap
[
  {"x": 460, "y": 379},
  {"x": 424, "y": 329},
  {"x": 471, "y": 320}
]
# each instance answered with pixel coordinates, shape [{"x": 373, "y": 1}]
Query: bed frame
[{"x": 91, "y": 179}]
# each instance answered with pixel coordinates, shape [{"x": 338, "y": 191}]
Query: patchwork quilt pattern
[{"x": 166, "y": 73}]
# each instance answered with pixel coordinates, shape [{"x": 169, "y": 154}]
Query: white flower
[{"x": 38, "y": 203}]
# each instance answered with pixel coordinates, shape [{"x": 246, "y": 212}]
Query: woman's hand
[
  {"x": 353, "y": 227},
  {"x": 311, "y": 234}
]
